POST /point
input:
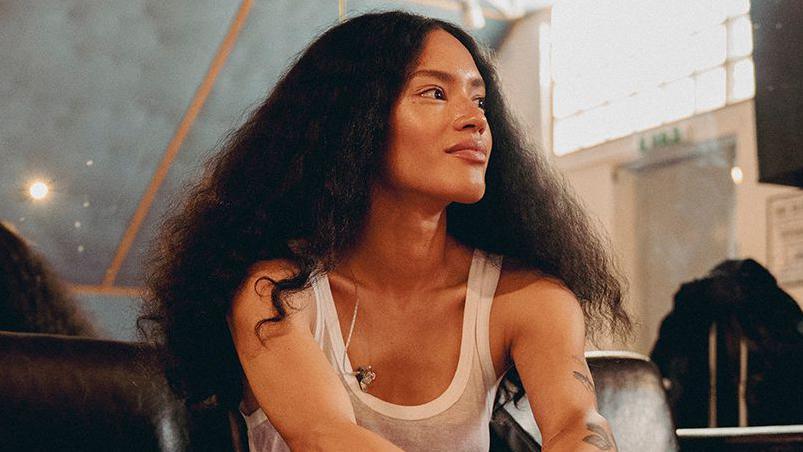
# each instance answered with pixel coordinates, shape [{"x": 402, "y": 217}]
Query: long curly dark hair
[
  {"x": 293, "y": 182},
  {"x": 32, "y": 298}
]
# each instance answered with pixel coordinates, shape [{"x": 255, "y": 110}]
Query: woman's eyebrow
[{"x": 474, "y": 82}]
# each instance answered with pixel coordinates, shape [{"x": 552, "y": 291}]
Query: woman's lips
[
  {"x": 471, "y": 150},
  {"x": 472, "y": 155}
]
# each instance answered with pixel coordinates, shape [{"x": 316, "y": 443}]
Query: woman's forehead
[
  {"x": 445, "y": 58},
  {"x": 444, "y": 53}
]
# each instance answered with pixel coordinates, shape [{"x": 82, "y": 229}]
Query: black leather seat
[
  {"x": 631, "y": 396},
  {"x": 68, "y": 393}
]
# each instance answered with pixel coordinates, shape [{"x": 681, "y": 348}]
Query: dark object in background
[
  {"x": 80, "y": 394},
  {"x": 629, "y": 395},
  {"x": 507, "y": 435},
  {"x": 778, "y": 40},
  {"x": 743, "y": 298},
  {"x": 67, "y": 393},
  {"x": 32, "y": 299}
]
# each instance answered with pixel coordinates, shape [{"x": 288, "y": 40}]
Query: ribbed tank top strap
[
  {"x": 489, "y": 278},
  {"x": 319, "y": 309}
]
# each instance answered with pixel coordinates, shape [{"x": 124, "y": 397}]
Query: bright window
[{"x": 622, "y": 66}]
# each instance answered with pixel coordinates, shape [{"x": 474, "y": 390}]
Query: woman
[
  {"x": 32, "y": 299},
  {"x": 338, "y": 272}
]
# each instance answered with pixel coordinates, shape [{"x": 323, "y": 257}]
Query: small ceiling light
[
  {"x": 38, "y": 190},
  {"x": 473, "y": 18},
  {"x": 736, "y": 175},
  {"x": 77, "y": 224},
  {"x": 80, "y": 248},
  {"x": 90, "y": 162}
]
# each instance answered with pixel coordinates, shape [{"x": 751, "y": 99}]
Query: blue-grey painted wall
[{"x": 93, "y": 92}]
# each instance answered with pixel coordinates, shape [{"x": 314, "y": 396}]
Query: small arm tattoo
[
  {"x": 599, "y": 438},
  {"x": 584, "y": 380}
]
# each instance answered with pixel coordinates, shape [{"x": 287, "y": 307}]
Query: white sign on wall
[{"x": 785, "y": 238}]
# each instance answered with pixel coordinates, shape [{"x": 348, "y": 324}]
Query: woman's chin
[{"x": 470, "y": 196}]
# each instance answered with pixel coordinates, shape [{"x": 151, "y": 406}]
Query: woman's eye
[
  {"x": 481, "y": 103},
  {"x": 434, "y": 93}
]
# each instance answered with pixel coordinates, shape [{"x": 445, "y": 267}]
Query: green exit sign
[{"x": 661, "y": 139}]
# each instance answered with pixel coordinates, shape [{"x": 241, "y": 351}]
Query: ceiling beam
[
  {"x": 114, "y": 291},
  {"x": 198, "y": 101}
]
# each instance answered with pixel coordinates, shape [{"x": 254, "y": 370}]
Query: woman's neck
[{"x": 403, "y": 247}]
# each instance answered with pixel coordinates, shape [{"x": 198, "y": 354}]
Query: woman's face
[{"x": 440, "y": 141}]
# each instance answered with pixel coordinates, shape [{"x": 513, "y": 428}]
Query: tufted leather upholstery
[
  {"x": 631, "y": 396},
  {"x": 68, "y": 393}
]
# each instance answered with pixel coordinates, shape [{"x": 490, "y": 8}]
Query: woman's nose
[{"x": 471, "y": 116}]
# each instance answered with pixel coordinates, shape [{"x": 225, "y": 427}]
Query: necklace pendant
[{"x": 365, "y": 376}]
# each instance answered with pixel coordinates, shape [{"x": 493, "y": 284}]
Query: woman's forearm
[{"x": 590, "y": 436}]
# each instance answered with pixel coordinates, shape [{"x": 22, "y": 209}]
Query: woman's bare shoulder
[
  {"x": 518, "y": 279},
  {"x": 531, "y": 304},
  {"x": 525, "y": 295},
  {"x": 254, "y": 294}
]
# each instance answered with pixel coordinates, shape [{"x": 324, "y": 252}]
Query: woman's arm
[
  {"x": 546, "y": 336},
  {"x": 290, "y": 376}
]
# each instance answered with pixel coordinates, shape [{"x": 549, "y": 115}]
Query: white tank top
[{"x": 456, "y": 420}]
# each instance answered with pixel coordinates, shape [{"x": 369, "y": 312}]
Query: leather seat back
[
  {"x": 632, "y": 398},
  {"x": 69, "y": 393}
]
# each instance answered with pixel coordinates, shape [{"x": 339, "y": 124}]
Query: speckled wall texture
[{"x": 93, "y": 92}]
